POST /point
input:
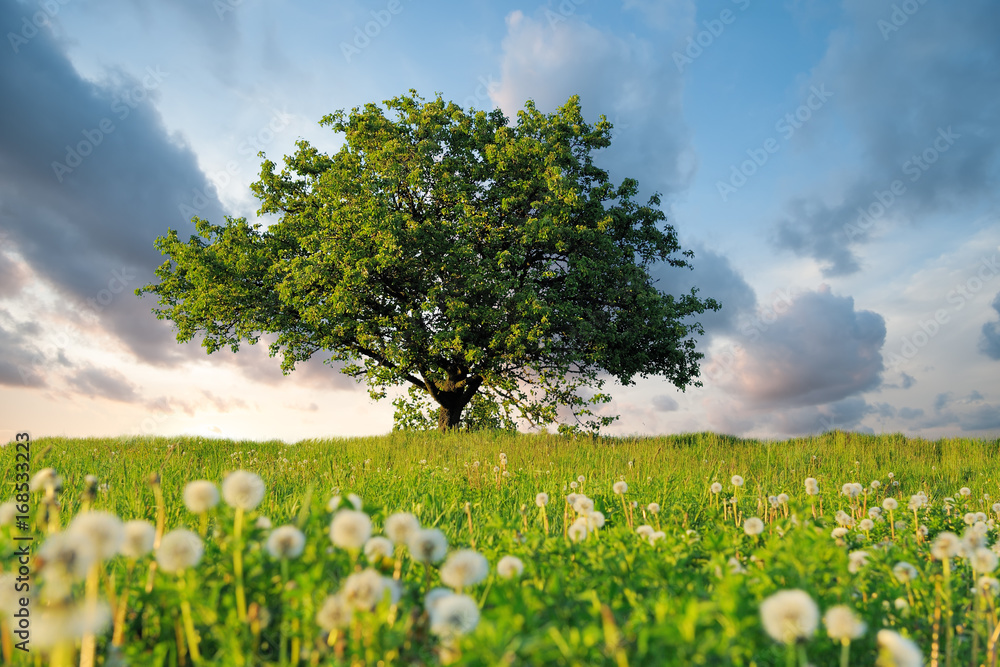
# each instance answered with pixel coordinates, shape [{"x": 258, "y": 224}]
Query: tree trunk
[{"x": 449, "y": 418}]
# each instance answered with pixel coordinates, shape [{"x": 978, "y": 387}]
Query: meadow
[{"x": 493, "y": 548}]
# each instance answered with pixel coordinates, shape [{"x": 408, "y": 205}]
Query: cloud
[
  {"x": 664, "y": 403},
  {"x": 89, "y": 177},
  {"x": 817, "y": 350},
  {"x": 842, "y": 415},
  {"x": 632, "y": 82},
  {"x": 989, "y": 342},
  {"x": 943, "y": 149},
  {"x": 20, "y": 359},
  {"x": 969, "y": 413},
  {"x": 104, "y": 383}
]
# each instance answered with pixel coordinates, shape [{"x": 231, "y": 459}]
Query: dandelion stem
[
  {"x": 88, "y": 644},
  {"x": 241, "y": 601},
  {"x": 118, "y": 636},
  {"x": 845, "y": 654}
]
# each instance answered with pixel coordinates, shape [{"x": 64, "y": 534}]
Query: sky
[{"x": 833, "y": 166}]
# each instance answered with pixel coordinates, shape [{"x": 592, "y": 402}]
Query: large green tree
[{"x": 452, "y": 251}]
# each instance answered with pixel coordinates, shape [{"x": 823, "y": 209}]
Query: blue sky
[{"x": 834, "y": 166}]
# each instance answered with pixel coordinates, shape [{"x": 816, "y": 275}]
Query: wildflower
[
  {"x": 789, "y": 615},
  {"x": 400, "y": 527},
  {"x": 464, "y": 568},
  {"x": 364, "y": 590},
  {"x": 200, "y": 496},
  {"x": 811, "y": 482},
  {"x": 890, "y": 504},
  {"x": 849, "y": 490},
  {"x": 901, "y": 651},
  {"x": 104, "y": 530},
  {"x": 844, "y": 519},
  {"x": 454, "y": 615},
  {"x": 286, "y": 542},
  {"x": 620, "y": 488},
  {"x": 583, "y": 504},
  {"x": 65, "y": 554},
  {"x": 595, "y": 520},
  {"x": 243, "y": 490},
  {"x": 66, "y": 622},
  {"x": 179, "y": 550},
  {"x": 917, "y": 501},
  {"x": 839, "y": 532},
  {"x": 434, "y": 596},
  {"x": 856, "y": 560},
  {"x": 737, "y": 480},
  {"x": 996, "y": 508},
  {"x": 866, "y": 525},
  {"x": 946, "y": 545},
  {"x": 577, "y": 531},
  {"x": 983, "y": 560},
  {"x": 842, "y": 624},
  {"x": 965, "y": 491},
  {"x": 644, "y": 530},
  {"x": 581, "y": 479},
  {"x": 782, "y": 498},
  {"x": 428, "y": 545},
  {"x": 510, "y": 567},
  {"x": 44, "y": 480},
  {"x": 138, "y": 539},
  {"x": 904, "y": 572},
  {"x": 891, "y": 475},
  {"x": 335, "y": 613},
  {"x": 263, "y": 523},
  {"x": 542, "y": 499},
  {"x": 570, "y": 499},
  {"x": 875, "y": 484},
  {"x": 716, "y": 487},
  {"x": 988, "y": 586},
  {"x": 656, "y": 536},
  {"x": 653, "y": 508},
  {"x": 350, "y": 529},
  {"x": 875, "y": 513},
  {"x": 8, "y": 512},
  {"x": 753, "y": 526},
  {"x": 377, "y": 548}
]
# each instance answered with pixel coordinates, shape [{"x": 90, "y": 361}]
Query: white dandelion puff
[
  {"x": 902, "y": 651},
  {"x": 400, "y": 527},
  {"x": 464, "y": 567},
  {"x": 983, "y": 560},
  {"x": 620, "y": 487},
  {"x": 428, "y": 545},
  {"x": 243, "y": 490},
  {"x": 200, "y": 496},
  {"x": 104, "y": 530},
  {"x": 737, "y": 480},
  {"x": 577, "y": 532},
  {"x": 286, "y": 542},
  {"x": 542, "y": 499},
  {"x": 350, "y": 529},
  {"x": 364, "y": 590},
  {"x": 179, "y": 550},
  {"x": 139, "y": 538},
  {"x": 716, "y": 487},
  {"x": 510, "y": 567},
  {"x": 890, "y": 504},
  {"x": 856, "y": 560},
  {"x": 753, "y": 526},
  {"x": 842, "y": 624},
  {"x": 377, "y": 548},
  {"x": 335, "y": 613},
  {"x": 904, "y": 572},
  {"x": 946, "y": 545},
  {"x": 789, "y": 616},
  {"x": 653, "y": 508},
  {"x": 454, "y": 615}
]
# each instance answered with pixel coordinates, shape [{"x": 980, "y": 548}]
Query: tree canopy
[{"x": 453, "y": 251}]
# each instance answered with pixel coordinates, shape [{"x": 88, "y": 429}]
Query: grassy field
[{"x": 595, "y": 587}]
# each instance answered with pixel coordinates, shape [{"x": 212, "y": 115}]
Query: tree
[{"x": 452, "y": 251}]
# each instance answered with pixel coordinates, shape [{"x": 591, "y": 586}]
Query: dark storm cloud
[
  {"x": 921, "y": 101},
  {"x": 969, "y": 413},
  {"x": 845, "y": 414},
  {"x": 989, "y": 342},
  {"x": 816, "y": 350},
  {"x": 89, "y": 177},
  {"x": 664, "y": 403}
]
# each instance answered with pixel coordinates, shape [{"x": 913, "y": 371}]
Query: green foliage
[{"x": 453, "y": 251}]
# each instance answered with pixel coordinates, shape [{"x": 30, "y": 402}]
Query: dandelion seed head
[
  {"x": 988, "y": 586},
  {"x": 401, "y": 526},
  {"x": 8, "y": 513},
  {"x": 66, "y": 622},
  {"x": 454, "y": 615},
  {"x": 200, "y": 496},
  {"x": 620, "y": 487},
  {"x": 364, "y": 590},
  {"x": 286, "y": 542},
  {"x": 782, "y": 498},
  {"x": 753, "y": 526},
  {"x": 350, "y": 529},
  {"x": 583, "y": 504},
  {"x": 839, "y": 532},
  {"x": 946, "y": 545},
  {"x": 789, "y": 615},
  {"x": 577, "y": 532},
  {"x": 595, "y": 520},
  {"x": 644, "y": 530},
  {"x": 856, "y": 560},
  {"x": 904, "y": 572},
  {"x": 965, "y": 491},
  {"x": 542, "y": 499},
  {"x": 179, "y": 550},
  {"x": 866, "y": 525},
  {"x": 464, "y": 567},
  {"x": 335, "y": 613},
  {"x": 902, "y": 651},
  {"x": 510, "y": 567},
  {"x": 45, "y": 479},
  {"x": 890, "y": 504},
  {"x": 104, "y": 530},
  {"x": 428, "y": 545},
  {"x": 737, "y": 480},
  {"x": 842, "y": 624},
  {"x": 377, "y": 548},
  {"x": 653, "y": 508},
  {"x": 263, "y": 523},
  {"x": 138, "y": 539},
  {"x": 716, "y": 487},
  {"x": 243, "y": 490},
  {"x": 983, "y": 560}
]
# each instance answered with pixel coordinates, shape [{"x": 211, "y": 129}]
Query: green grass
[{"x": 611, "y": 599}]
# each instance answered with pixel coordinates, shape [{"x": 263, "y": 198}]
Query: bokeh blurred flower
[
  {"x": 401, "y": 526},
  {"x": 139, "y": 538},
  {"x": 286, "y": 542},
  {"x": 179, "y": 549},
  {"x": 104, "y": 530},
  {"x": 510, "y": 567},
  {"x": 464, "y": 567},
  {"x": 428, "y": 545},
  {"x": 901, "y": 651},
  {"x": 350, "y": 529},
  {"x": 454, "y": 615},
  {"x": 243, "y": 490},
  {"x": 904, "y": 572},
  {"x": 753, "y": 526},
  {"x": 789, "y": 616},
  {"x": 200, "y": 496},
  {"x": 842, "y": 624},
  {"x": 377, "y": 548}
]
